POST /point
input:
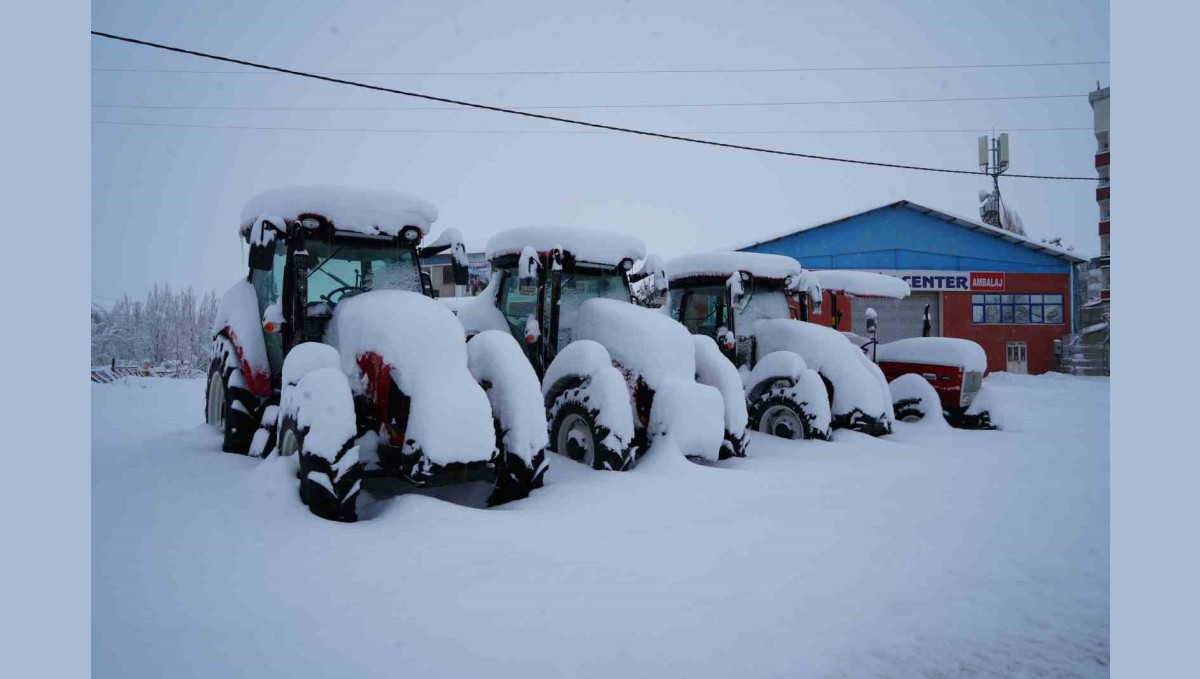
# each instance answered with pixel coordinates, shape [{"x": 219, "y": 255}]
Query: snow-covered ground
[{"x": 932, "y": 552}]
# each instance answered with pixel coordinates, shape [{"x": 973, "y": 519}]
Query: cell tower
[{"x": 993, "y": 160}]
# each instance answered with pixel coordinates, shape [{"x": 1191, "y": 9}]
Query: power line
[
  {"x": 677, "y": 71},
  {"x": 589, "y": 132},
  {"x": 587, "y": 106},
  {"x": 569, "y": 121}
]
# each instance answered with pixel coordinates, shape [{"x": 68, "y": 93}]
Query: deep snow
[{"x": 930, "y": 552}]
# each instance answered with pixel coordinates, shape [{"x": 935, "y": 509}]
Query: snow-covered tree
[{"x": 167, "y": 326}]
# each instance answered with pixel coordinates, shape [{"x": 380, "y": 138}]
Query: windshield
[
  {"x": 760, "y": 301},
  {"x": 344, "y": 268},
  {"x": 578, "y": 286}
]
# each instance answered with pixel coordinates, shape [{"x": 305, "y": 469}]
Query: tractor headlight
[
  {"x": 627, "y": 264},
  {"x": 310, "y": 223},
  {"x": 411, "y": 234}
]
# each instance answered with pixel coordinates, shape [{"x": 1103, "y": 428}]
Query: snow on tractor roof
[
  {"x": 597, "y": 247},
  {"x": 952, "y": 351},
  {"x": 862, "y": 283},
  {"x": 725, "y": 264},
  {"x": 369, "y": 211}
]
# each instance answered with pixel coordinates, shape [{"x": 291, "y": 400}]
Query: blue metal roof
[{"x": 905, "y": 235}]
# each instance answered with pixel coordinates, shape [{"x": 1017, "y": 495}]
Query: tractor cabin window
[
  {"x": 1017, "y": 309},
  {"x": 703, "y": 309},
  {"x": 338, "y": 270},
  {"x": 517, "y": 303}
]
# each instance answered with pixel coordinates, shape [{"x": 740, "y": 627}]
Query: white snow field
[{"x": 932, "y": 552}]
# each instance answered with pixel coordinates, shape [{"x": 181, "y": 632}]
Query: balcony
[
  {"x": 1102, "y": 159},
  {"x": 1102, "y": 191},
  {"x": 1104, "y": 227}
]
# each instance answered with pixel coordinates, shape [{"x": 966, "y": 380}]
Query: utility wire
[
  {"x": 542, "y": 116},
  {"x": 817, "y": 69},
  {"x": 586, "y": 106},
  {"x": 602, "y": 132}
]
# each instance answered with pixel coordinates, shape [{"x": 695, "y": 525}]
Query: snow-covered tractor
[
  {"x": 616, "y": 378},
  {"x": 332, "y": 350},
  {"x": 953, "y": 366},
  {"x": 801, "y": 380}
]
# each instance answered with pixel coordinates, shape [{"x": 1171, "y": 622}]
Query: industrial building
[{"x": 1009, "y": 293}]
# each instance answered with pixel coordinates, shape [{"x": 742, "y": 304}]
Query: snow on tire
[
  {"x": 319, "y": 425},
  {"x": 713, "y": 369},
  {"x": 576, "y": 432},
  {"x": 780, "y": 411},
  {"x": 228, "y": 402},
  {"x": 497, "y": 363},
  {"x": 914, "y": 399},
  {"x": 329, "y": 487},
  {"x": 788, "y": 399}
]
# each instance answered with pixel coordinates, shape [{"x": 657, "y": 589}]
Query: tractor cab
[
  {"x": 544, "y": 278},
  {"x": 304, "y": 263},
  {"x": 723, "y": 295}
]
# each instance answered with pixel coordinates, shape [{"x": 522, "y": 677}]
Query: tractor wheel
[
  {"x": 574, "y": 433},
  {"x": 228, "y": 406},
  {"x": 733, "y": 446},
  {"x": 778, "y": 414},
  {"x": 330, "y": 489},
  {"x": 909, "y": 410}
]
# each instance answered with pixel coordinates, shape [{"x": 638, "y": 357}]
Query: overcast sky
[{"x": 166, "y": 200}]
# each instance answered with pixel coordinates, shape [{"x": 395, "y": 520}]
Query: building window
[
  {"x": 1017, "y": 309},
  {"x": 1104, "y": 245}
]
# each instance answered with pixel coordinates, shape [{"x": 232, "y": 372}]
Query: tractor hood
[
  {"x": 450, "y": 417},
  {"x": 640, "y": 339}
]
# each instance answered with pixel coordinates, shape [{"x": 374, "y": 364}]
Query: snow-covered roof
[
  {"x": 995, "y": 232},
  {"x": 725, "y": 264},
  {"x": 598, "y": 247},
  {"x": 369, "y": 211},
  {"x": 862, "y": 283}
]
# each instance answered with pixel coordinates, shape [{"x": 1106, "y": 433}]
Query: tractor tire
[
  {"x": 778, "y": 414},
  {"x": 228, "y": 405},
  {"x": 909, "y": 410},
  {"x": 516, "y": 478},
  {"x": 574, "y": 433},
  {"x": 734, "y": 446},
  {"x": 328, "y": 495}
]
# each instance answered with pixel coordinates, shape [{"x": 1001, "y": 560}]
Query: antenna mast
[{"x": 993, "y": 160}]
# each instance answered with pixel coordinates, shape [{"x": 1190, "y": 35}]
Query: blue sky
[{"x": 165, "y": 200}]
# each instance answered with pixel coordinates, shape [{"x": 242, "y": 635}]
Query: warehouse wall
[{"x": 993, "y": 337}]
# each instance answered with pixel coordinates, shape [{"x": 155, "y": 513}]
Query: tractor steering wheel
[{"x": 328, "y": 297}]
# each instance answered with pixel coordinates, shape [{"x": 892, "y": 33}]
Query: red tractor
[
  {"x": 954, "y": 367},
  {"x": 331, "y": 351}
]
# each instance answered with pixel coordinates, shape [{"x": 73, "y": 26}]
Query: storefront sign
[
  {"x": 951, "y": 281},
  {"x": 990, "y": 281}
]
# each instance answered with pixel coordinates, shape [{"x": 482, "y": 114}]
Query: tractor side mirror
[
  {"x": 262, "y": 242},
  {"x": 871, "y": 320},
  {"x": 458, "y": 264},
  {"x": 653, "y": 267},
  {"x": 736, "y": 284},
  {"x": 528, "y": 269},
  {"x": 262, "y": 256},
  {"x": 451, "y": 239}
]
